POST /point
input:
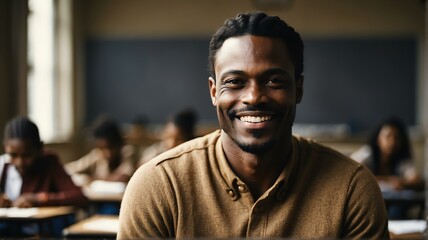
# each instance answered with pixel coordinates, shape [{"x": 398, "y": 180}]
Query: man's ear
[
  {"x": 299, "y": 89},
  {"x": 213, "y": 90}
]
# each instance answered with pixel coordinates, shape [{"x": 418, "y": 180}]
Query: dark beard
[{"x": 257, "y": 149}]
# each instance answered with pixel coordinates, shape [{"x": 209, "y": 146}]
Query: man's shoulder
[
  {"x": 186, "y": 153},
  {"x": 177, "y": 162},
  {"x": 189, "y": 148},
  {"x": 332, "y": 167}
]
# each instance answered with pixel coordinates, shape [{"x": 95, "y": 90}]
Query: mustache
[{"x": 232, "y": 113}]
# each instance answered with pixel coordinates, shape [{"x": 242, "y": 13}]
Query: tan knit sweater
[{"x": 191, "y": 191}]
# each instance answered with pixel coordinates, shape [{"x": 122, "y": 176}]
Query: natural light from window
[{"x": 49, "y": 75}]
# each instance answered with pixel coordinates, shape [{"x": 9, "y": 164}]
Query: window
[{"x": 49, "y": 80}]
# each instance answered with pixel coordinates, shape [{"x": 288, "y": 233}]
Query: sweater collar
[{"x": 236, "y": 185}]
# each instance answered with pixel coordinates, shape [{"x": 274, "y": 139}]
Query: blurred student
[
  {"x": 31, "y": 176},
  {"x": 137, "y": 132},
  {"x": 138, "y": 137},
  {"x": 179, "y": 129},
  {"x": 110, "y": 160},
  {"x": 388, "y": 156}
]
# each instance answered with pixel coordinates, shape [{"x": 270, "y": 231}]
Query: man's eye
[
  {"x": 235, "y": 82},
  {"x": 13, "y": 155},
  {"x": 276, "y": 82}
]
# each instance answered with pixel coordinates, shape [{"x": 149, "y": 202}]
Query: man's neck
[{"x": 258, "y": 171}]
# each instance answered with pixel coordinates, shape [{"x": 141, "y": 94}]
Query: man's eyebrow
[
  {"x": 232, "y": 72},
  {"x": 268, "y": 72},
  {"x": 273, "y": 71}
]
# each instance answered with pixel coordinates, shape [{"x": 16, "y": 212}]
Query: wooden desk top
[
  {"x": 33, "y": 214},
  {"x": 93, "y": 227},
  {"x": 407, "y": 236},
  {"x": 104, "y": 197}
]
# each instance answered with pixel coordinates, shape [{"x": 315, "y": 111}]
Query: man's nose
[{"x": 254, "y": 94}]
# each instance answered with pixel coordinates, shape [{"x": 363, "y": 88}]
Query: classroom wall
[
  {"x": 130, "y": 19},
  {"x": 327, "y": 19},
  {"x": 135, "y": 18}
]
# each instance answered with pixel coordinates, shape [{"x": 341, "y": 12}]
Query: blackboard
[{"x": 347, "y": 80}]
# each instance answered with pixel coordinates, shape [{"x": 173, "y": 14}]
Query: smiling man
[{"x": 253, "y": 178}]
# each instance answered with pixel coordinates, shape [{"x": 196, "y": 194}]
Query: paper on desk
[
  {"x": 103, "y": 225},
  {"x": 100, "y": 186},
  {"x": 18, "y": 212},
  {"x": 406, "y": 226}
]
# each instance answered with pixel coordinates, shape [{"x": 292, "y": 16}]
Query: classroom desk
[
  {"x": 98, "y": 199},
  {"x": 95, "y": 227},
  {"x": 95, "y": 197},
  {"x": 33, "y": 214},
  {"x": 40, "y": 216},
  {"x": 407, "y": 229},
  {"x": 106, "y": 227}
]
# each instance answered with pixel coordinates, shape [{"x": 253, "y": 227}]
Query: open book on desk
[
  {"x": 407, "y": 226},
  {"x": 106, "y": 187},
  {"x": 18, "y": 212}
]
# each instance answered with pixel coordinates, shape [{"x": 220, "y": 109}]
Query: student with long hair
[
  {"x": 388, "y": 155},
  {"x": 31, "y": 176}
]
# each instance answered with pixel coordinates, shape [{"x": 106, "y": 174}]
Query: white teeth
[{"x": 255, "y": 119}]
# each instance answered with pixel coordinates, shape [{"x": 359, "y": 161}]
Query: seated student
[
  {"x": 138, "y": 137},
  {"x": 388, "y": 156},
  {"x": 110, "y": 160},
  {"x": 179, "y": 129},
  {"x": 31, "y": 176}
]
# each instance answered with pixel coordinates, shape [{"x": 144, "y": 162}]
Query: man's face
[
  {"x": 22, "y": 153},
  {"x": 255, "y": 91}
]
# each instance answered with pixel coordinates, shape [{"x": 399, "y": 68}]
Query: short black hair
[
  {"x": 24, "y": 129},
  {"x": 108, "y": 129},
  {"x": 259, "y": 24}
]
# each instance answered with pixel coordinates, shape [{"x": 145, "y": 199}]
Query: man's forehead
[{"x": 252, "y": 49}]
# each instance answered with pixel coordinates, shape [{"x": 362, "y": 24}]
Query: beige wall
[
  {"x": 136, "y": 18},
  {"x": 312, "y": 18}
]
